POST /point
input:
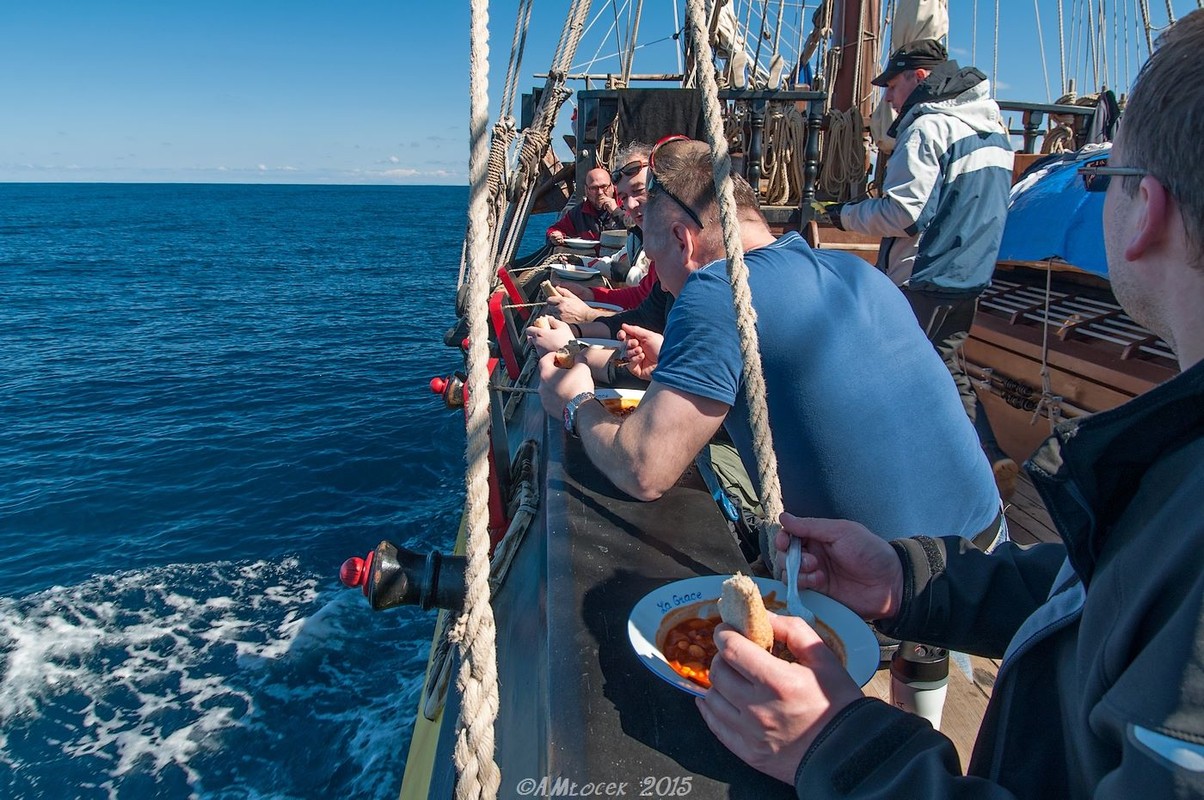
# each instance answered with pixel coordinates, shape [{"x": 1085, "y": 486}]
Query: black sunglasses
[
  {"x": 1097, "y": 175},
  {"x": 656, "y": 186},
  {"x": 628, "y": 170}
]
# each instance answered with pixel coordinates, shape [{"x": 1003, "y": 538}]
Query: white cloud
[{"x": 394, "y": 160}]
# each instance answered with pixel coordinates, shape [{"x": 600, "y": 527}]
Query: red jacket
[
  {"x": 582, "y": 222},
  {"x": 628, "y": 296}
]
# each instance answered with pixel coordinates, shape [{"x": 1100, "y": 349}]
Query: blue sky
[{"x": 357, "y": 91}]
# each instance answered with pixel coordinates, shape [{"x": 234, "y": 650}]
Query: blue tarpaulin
[{"x": 1051, "y": 215}]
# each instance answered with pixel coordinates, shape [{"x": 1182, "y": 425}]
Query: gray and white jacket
[{"x": 944, "y": 196}]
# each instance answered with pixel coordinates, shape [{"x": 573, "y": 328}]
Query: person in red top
[{"x": 597, "y": 213}]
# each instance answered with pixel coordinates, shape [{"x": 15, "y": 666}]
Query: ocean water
[{"x": 210, "y": 396}]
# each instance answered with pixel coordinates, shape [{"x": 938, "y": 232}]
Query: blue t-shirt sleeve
[{"x": 701, "y": 352}]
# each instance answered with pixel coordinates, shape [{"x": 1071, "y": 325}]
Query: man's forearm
[
  {"x": 600, "y": 433},
  {"x": 591, "y": 330}
]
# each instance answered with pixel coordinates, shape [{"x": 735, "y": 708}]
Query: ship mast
[{"x": 853, "y": 57}]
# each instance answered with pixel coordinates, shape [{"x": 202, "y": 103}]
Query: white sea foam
[{"x": 195, "y": 679}]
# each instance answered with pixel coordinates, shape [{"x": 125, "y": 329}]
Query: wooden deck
[
  {"x": 971, "y": 677},
  {"x": 1028, "y": 521}
]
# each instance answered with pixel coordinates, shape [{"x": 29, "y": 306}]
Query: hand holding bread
[{"x": 741, "y": 606}]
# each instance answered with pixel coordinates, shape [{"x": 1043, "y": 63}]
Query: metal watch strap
[{"x": 570, "y": 412}]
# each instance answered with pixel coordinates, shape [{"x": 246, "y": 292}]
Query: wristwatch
[{"x": 570, "y": 412}]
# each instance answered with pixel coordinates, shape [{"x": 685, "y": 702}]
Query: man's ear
[
  {"x": 1152, "y": 218},
  {"x": 922, "y": 74},
  {"x": 683, "y": 239}
]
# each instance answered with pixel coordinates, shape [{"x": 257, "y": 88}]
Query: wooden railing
[{"x": 1033, "y": 121}]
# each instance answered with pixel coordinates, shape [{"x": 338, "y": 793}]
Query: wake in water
[{"x": 207, "y": 681}]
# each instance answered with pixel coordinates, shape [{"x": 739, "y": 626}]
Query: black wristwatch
[{"x": 570, "y": 412}]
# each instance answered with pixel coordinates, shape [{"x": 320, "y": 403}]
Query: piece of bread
[
  {"x": 542, "y": 323},
  {"x": 564, "y": 358},
  {"x": 548, "y": 289},
  {"x": 741, "y": 606}
]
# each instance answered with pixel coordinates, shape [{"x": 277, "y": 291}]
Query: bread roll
[
  {"x": 741, "y": 606},
  {"x": 542, "y": 323},
  {"x": 564, "y": 358},
  {"x": 548, "y": 289}
]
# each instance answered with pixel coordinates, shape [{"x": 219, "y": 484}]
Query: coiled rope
[
  {"x": 474, "y": 632},
  {"x": 844, "y": 154},
  {"x": 746, "y": 317},
  {"x": 785, "y": 135}
]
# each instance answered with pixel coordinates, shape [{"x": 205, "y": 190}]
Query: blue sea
[{"x": 210, "y": 396}]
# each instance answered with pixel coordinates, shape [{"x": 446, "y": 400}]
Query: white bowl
[
  {"x": 675, "y": 602},
  {"x": 603, "y": 344},
  {"x": 580, "y": 244},
  {"x": 630, "y": 398},
  {"x": 573, "y": 273}
]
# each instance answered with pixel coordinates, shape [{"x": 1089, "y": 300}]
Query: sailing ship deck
[{"x": 602, "y": 552}]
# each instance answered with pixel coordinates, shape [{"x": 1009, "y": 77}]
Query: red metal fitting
[{"x": 354, "y": 572}]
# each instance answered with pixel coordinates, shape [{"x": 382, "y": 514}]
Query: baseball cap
[{"x": 923, "y": 53}]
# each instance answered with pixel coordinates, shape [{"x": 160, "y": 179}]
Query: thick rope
[
  {"x": 1145, "y": 20},
  {"x": 783, "y": 164},
  {"x": 518, "y": 45},
  {"x": 746, "y": 317},
  {"x": 474, "y": 632},
  {"x": 844, "y": 154}
]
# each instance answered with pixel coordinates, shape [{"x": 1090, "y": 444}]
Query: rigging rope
[
  {"x": 777, "y": 29},
  {"x": 974, "y": 35},
  {"x": 746, "y": 317},
  {"x": 1041, "y": 46},
  {"x": 631, "y": 44},
  {"x": 1116, "y": 45},
  {"x": 1145, "y": 18},
  {"x": 1128, "y": 74},
  {"x": 760, "y": 39},
  {"x": 517, "y": 46},
  {"x": 1049, "y": 401},
  {"x": 1061, "y": 48},
  {"x": 1091, "y": 41},
  {"x": 474, "y": 632},
  {"x": 995, "y": 68}
]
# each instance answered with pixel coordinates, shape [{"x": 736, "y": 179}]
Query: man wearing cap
[{"x": 943, "y": 206}]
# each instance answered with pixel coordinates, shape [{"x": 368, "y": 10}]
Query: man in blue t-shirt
[{"x": 866, "y": 420}]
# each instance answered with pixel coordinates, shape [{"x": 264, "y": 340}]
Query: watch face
[{"x": 568, "y": 417}]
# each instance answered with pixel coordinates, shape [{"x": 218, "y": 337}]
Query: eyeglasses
[
  {"x": 628, "y": 170},
  {"x": 656, "y": 186},
  {"x": 1097, "y": 175}
]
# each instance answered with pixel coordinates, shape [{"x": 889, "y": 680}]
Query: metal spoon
[{"x": 794, "y": 605}]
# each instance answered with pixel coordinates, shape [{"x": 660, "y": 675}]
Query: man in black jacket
[{"x": 1101, "y": 689}]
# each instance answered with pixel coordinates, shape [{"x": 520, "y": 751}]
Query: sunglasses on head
[
  {"x": 655, "y": 185},
  {"x": 628, "y": 170},
  {"x": 1097, "y": 175}
]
